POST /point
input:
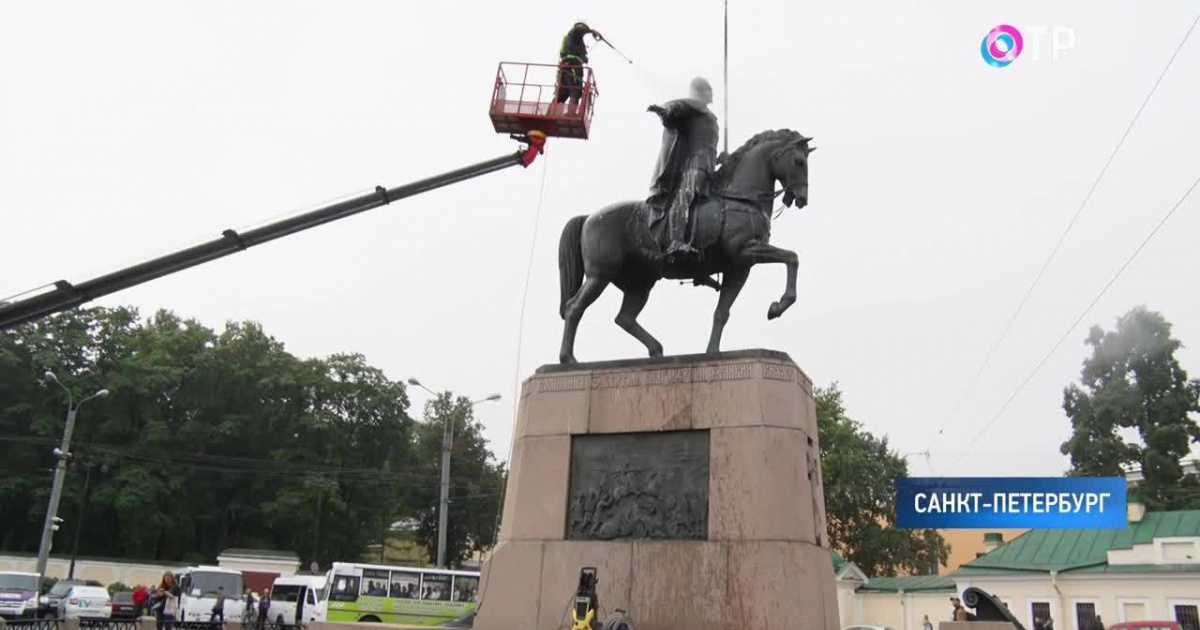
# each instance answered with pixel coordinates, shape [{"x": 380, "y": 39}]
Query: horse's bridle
[
  {"x": 759, "y": 201},
  {"x": 787, "y": 185}
]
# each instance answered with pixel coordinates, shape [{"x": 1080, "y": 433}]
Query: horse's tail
[{"x": 570, "y": 262}]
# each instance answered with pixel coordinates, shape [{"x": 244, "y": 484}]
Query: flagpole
[{"x": 726, "y": 88}]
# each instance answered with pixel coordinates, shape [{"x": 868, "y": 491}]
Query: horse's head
[
  {"x": 789, "y": 166},
  {"x": 769, "y": 157}
]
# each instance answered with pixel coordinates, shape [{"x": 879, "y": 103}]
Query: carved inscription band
[{"x": 667, "y": 376}]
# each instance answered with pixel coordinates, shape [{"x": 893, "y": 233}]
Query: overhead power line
[
  {"x": 1061, "y": 239},
  {"x": 1071, "y": 328},
  {"x": 242, "y": 465}
]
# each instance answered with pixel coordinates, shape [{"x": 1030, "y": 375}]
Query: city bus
[
  {"x": 199, "y": 592},
  {"x": 389, "y": 594}
]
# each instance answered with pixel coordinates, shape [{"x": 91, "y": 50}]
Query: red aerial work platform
[
  {"x": 526, "y": 98},
  {"x": 524, "y": 105}
]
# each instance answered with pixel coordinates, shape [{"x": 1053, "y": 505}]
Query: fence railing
[
  {"x": 144, "y": 623},
  {"x": 108, "y": 624},
  {"x": 227, "y": 625},
  {"x": 231, "y": 625},
  {"x": 31, "y": 624},
  {"x": 138, "y": 624}
]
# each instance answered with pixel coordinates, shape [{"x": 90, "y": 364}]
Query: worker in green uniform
[{"x": 572, "y": 55}]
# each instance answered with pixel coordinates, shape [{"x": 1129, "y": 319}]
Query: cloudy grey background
[{"x": 129, "y": 129}]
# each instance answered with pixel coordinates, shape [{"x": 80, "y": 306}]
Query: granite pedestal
[{"x": 695, "y": 491}]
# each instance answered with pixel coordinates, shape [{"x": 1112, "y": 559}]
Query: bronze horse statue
[{"x": 731, "y": 228}]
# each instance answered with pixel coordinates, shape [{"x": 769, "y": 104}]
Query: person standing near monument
[
  {"x": 686, "y": 163},
  {"x": 960, "y": 612}
]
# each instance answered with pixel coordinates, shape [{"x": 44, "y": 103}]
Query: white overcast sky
[{"x": 129, "y": 129}]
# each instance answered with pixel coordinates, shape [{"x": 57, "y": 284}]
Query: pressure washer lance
[{"x": 614, "y": 48}]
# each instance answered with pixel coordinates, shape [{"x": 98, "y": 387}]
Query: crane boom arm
[{"x": 66, "y": 295}]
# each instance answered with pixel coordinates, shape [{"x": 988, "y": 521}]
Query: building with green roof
[{"x": 1149, "y": 570}]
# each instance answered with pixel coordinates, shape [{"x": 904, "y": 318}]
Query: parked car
[
  {"x": 92, "y": 602},
  {"x": 122, "y": 606},
  {"x": 48, "y": 603}
]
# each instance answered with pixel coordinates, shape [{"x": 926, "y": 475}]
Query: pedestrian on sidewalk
[
  {"x": 168, "y": 595},
  {"x": 139, "y": 600},
  {"x": 264, "y": 608},
  {"x": 218, "y": 610}
]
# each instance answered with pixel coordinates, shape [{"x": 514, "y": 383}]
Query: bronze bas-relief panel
[{"x": 639, "y": 486}]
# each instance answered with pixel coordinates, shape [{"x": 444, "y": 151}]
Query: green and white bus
[{"x": 404, "y": 595}]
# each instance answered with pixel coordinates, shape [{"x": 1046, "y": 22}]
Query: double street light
[
  {"x": 447, "y": 442},
  {"x": 63, "y": 453}
]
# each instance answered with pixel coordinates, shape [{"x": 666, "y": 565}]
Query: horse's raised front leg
[
  {"x": 591, "y": 289},
  {"x": 759, "y": 253},
  {"x": 731, "y": 286},
  {"x": 631, "y": 306}
]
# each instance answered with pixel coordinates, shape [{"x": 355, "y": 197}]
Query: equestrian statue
[{"x": 706, "y": 214}]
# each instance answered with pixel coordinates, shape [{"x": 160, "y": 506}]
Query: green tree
[
  {"x": 1133, "y": 381},
  {"x": 860, "y": 497},
  {"x": 207, "y": 441},
  {"x": 475, "y": 481},
  {"x": 74, "y": 345}
]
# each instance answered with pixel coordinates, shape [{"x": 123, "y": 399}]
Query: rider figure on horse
[{"x": 686, "y": 164}]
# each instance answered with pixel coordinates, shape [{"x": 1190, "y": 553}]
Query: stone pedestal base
[{"x": 755, "y": 554}]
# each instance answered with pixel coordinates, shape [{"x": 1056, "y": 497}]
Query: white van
[
  {"x": 18, "y": 595},
  {"x": 294, "y": 599},
  {"x": 199, "y": 586}
]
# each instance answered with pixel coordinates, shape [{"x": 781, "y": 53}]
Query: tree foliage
[
  {"x": 1133, "y": 381},
  {"x": 210, "y": 440},
  {"x": 476, "y": 480},
  {"x": 860, "y": 497}
]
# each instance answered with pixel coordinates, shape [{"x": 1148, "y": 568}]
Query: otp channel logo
[{"x": 1001, "y": 45}]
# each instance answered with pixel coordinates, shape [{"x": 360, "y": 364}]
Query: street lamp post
[
  {"x": 447, "y": 443},
  {"x": 63, "y": 453},
  {"x": 83, "y": 503}
]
